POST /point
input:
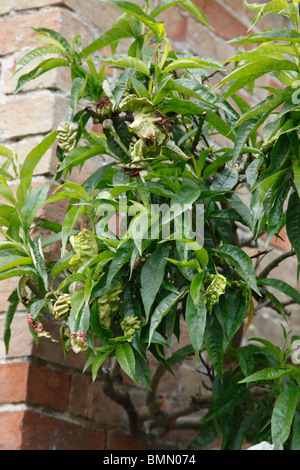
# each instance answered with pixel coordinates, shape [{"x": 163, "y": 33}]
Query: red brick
[
  {"x": 16, "y": 31},
  {"x": 40, "y": 432},
  {"x": 48, "y": 387},
  {"x": 282, "y": 242},
  {"x": 10, "y": 431},
  {"x": 79, "y": 396},
  {"x": 225, "y": 24},
  {"x": 104, "y": 410},
  {"x": 13, "y": 379},
  {"x": 175, "y": 23},
  {"x": 118, "y": 441}
]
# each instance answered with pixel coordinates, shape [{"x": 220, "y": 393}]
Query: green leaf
[
  {"x": 275, "y": 350},
  {"x": 125, "y": 61},
  {"x": 270, "y": 373},
  {"x": 267, "y": 106},
  {"x": 243, "y": 132},
  {"x": 293, "y": 221},
  {"x": 242, "y": 263},
  {"x": 213, "y": 342},
  {"x": 8, "y": 262},
  {"x": 37, "y": 306},
  {"x": 74, "y": 191},
  {"x": 79, "y": 155},
  {"x": 140, "y": 89},
  {"x": 259, "y": 67},
  {"x": 282, "y": 416},
  {"x": 274, "y": 6},
  {"x": 101, "y": 355},
  {"x": 53, "y": 37},
  {"x": 36, "y": 54},
  {"x": 7, "y": 193},
  {"x": 195, "y": 316},
  {"x": 186, "y": 4},
  {"x": 263, "y": 50},
  {"x": 77, "y": 91},
  {"x": 43, "y": 67},
  {"x": 265, "y": 186},
  {"x": 181, "y": 354},
  {"x": 138, "y": 13},
  {"x": 276, "y": 213},
  {"x": 228, "y": 400},
  {"x": 14, "y": 301},
  {"x": 126, "y": 360},
  {"x": 105, "y": 39},
  {"x": 282, "y": 286},
  {"x": 162, "y": 309},
  {"x": 295, "y": 445},
  {"x": 287, "y": 35},
  {"x": 195, "y": 107},
  {"x": 122, "y": 256},
  {"x": 37, "y": 254},
  {"x": 193, "y": 63},
  {"x": 32, "y": 204},
  {"x": 30, "y": 163},
  {"x": 70, "y": 220},
  {"x": 75, "y": 277},
  {"x": 195, "y": 288},
  {"x": 225, "y": 180},
  {"x": 103, "y": 334},
  {"x": 231, "y": 311},
  {"x": 292, "y": 12},
  {"x": 142, "y": 370},
  {"x": 180, "y": 202},
  {"x": 152, "y": 275},
  {"x": 17, "y": 272}
]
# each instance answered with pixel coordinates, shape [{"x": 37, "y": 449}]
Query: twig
[
  {"x": 205, "y": 79},
  {"x": 198, "y": 133},
  {"x": 273, "y": 264},
  {"x": 34, "y": 289}
]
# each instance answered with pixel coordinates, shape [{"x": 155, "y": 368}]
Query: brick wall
[{"x": 45, "y": 400}]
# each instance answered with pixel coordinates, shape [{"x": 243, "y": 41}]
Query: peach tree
[{"x": 155, "y": 240}]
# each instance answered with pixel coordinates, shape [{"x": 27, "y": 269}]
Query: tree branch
[
  {"x": 155, "y": 379},
  {"x": 273, "y": 264},
  {"x": 198, "y": 133},
  {"x": 108, "y": 378}
]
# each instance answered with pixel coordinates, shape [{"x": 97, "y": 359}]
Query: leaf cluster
[{"x": 167, "y": 267}]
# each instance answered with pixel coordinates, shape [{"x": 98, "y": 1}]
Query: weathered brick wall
[{"x": 40, "y": 388}]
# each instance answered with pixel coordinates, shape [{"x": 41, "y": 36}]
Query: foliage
[{"x": 125, "y": 295}]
